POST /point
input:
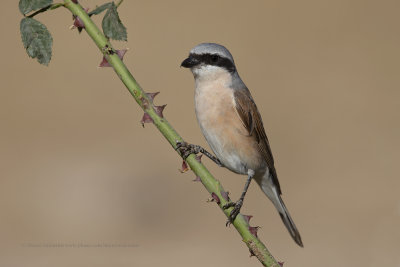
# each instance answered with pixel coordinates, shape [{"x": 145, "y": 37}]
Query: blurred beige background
[{"x": 76, "y": 166}]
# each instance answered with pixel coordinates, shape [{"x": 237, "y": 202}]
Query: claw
[
  {"x": 236, "y": 210},
  {"x": 187, "y": 153},
  {"x": 180, "y": 144},
  {"x": 227, "y": 206}
]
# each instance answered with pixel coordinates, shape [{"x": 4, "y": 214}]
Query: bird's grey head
[{"x": 209, "y": 59}]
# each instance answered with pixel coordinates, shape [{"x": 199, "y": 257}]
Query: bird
[{"x": 232, "y": 126}]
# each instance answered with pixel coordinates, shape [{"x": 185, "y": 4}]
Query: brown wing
[{"x": 251, "y": 119}]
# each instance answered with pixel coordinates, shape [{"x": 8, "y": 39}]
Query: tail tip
[
  {"x": 291, "y": 227},
  {"x": 298, "y": 241}
]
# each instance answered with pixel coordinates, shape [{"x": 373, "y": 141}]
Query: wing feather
[{"x": 251, "y": 119}]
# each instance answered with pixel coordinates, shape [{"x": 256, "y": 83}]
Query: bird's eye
[{"x": 214, "y": 58}]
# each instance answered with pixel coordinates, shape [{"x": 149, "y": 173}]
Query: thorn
[
  {"x": 254, "y": 230},
  {"x": 78, "y": 23},
  {"x": 210, "y": 200},
  {"x": 216, "y": 198},
  {"x": 281, "y": 263},
  {"x": 121, "y": 53},
  {"x": 146, "y": 119},
  {"x": 152, "y": 95},
  {"x": 145, "y": 102},
  {"x": 247, "y": 217},
  {"x": 104, "y": 63},
  {"x": 185, "y": 167},
  {"x": 225, "y": 195},
  {"x": 197, "y": 179},
  {"x": 198, "y": 157},
  {"x": 159, "y": 110}
]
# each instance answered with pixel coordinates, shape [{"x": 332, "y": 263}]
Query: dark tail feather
[
  {"x": 269, "y": 187},
  {"x": 289, "y": 223}
]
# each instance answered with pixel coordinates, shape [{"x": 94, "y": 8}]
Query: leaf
[
  {"x": 37, "y": 40},
  {"x": 100, "y": 9},
  {"x": 26, "y": 6},
  {"x": 112, "y": 25}
]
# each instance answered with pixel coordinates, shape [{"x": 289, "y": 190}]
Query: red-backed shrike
[{"x": 232, "y": 126}]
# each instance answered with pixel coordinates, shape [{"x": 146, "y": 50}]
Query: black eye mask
[{"x": 214, "y": 60}]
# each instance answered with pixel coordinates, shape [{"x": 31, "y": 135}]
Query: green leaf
[
  {"x": 100, "y": 9},
  {"x": 37, "y": 40},
  {"x": 112, "y": 25},
  {"x": 26, "y": 6}
]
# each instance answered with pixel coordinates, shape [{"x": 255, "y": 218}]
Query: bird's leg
[
  {"x": 187, "y": 149},
  {"x": 238, "y": 204}
]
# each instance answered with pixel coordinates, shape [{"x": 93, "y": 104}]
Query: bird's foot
[
  {"x": 186, "y": 149},
  {"x": 236, "y": 210}
]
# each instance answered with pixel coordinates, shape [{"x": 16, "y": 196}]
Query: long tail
[
  {"x": 288, "y": 221},
  {"x": 270, "y": 190}
]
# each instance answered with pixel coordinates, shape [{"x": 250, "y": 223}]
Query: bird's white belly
[
  {"x": 230, "y": 160},
  {"x": 221, "y": 126}
]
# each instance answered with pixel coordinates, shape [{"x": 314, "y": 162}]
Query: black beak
[{"x": 190, "y": 62}]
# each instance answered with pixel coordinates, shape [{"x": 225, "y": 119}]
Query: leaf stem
[
  {"x": 212, "y": 185},
  {"x": 49, "y": 7},
  {"x": 119, "y": 3}
]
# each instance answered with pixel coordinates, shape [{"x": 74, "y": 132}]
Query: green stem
[{"x": 210, "y": 183}]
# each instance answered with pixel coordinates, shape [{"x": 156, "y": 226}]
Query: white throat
[{"x": 205, "y": 74}]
